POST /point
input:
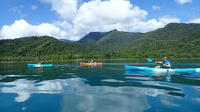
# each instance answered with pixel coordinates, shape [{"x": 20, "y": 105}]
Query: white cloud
[
  {"x": 66, "y": 9},
  {"x": 79, "y": 19},
  {"x": 100, "y": 15},
  {"x": 34, "y": 7},
  {"x": 181, "y": 2},
  {"x": 21, "y": 28},
  {"x": 168, "y": 19},
  {"x": 156, "y": 7},
  {"x": 197, "y": 20},
  {"x": 106, "y": 15},
  {"x": 153, "y": 23}
]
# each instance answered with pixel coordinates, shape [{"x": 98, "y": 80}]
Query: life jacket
[{"x": 166, "y": 62}]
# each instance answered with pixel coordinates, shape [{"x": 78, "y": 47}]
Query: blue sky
[
  {"x": 185, "y": 12},
  {"x": 12, "y": 10},
  {"x": 72, "y": 19}
]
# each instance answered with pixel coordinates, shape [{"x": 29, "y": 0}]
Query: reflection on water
[
  {"x": 150, "y": 75},
  {"x": 89, "y": 97},
  {"x": 79, "y": 96},
  {"x": 24, "y": 88},
  {"x": 107, "y": 99},
  {"x": 109, "y": 88}
]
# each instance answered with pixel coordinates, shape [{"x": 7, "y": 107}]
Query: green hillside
[
  {"x": 116, "y": 39},
  {"x": 45, "y": 47},
  {"x": 111, "y": 41},
  {"x": 35, "y": 46},
  {"x": 177, "y": 40},
  {"x": 174, "y": 40},
  {"x": 93, "y": 37}
]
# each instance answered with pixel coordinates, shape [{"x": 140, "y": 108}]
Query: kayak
[
  {"x": 40, "y": 65},
  {"x": 151, "y": 69},
  {"x": 91, "y": 64}
]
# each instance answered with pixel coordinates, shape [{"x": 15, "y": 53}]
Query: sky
[{"x": 72, "y": 19}]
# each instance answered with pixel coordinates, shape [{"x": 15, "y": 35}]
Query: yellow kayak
[{"x": 91, "y": 64}]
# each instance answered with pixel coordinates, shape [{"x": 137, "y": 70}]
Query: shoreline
[{"x": 97, "y": 60}]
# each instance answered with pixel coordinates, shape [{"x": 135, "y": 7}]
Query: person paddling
[
  {"x": 163, "y": 64},
  {"x": 91, "y": 61}
]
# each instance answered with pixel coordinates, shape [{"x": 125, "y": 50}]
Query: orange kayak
[{"x": 91, "y": 64}]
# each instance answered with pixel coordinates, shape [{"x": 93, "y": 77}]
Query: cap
[{"x": 164, "y": 57}]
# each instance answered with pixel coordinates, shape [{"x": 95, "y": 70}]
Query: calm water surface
[{"x": 68, "y": 87}]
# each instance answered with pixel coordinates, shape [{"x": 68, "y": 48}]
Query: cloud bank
[
  {"x": 197, "y": 20},
  {"x": 77, "y": 19},
  {"x": 21, "y": 28}
]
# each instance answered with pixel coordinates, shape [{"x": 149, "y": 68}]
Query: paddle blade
[{"x": 149, "y": 60}]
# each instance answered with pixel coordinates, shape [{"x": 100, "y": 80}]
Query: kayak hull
[
  {"x": 40, "y": 65},
  {"x": 91, "y": 64},
  {"x": 150, "y": 69}
]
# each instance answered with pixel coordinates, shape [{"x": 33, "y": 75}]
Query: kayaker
[
  {"x": 91, "y": 61},
  {"x": 163, "y": 64}
]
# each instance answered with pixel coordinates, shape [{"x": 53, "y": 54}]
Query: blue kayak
[
  {"x": 40, "y": 65},
  {"x": 151, "y": 69}
]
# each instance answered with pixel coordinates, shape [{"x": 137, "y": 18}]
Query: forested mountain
[
  {"x": 43, "y": 46},
  {"x": 93, "y": 37},
  {"x": 116, "y": 40},
  {"x": 112, "y": 40},
  {"x": 174, "y": 40}
]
